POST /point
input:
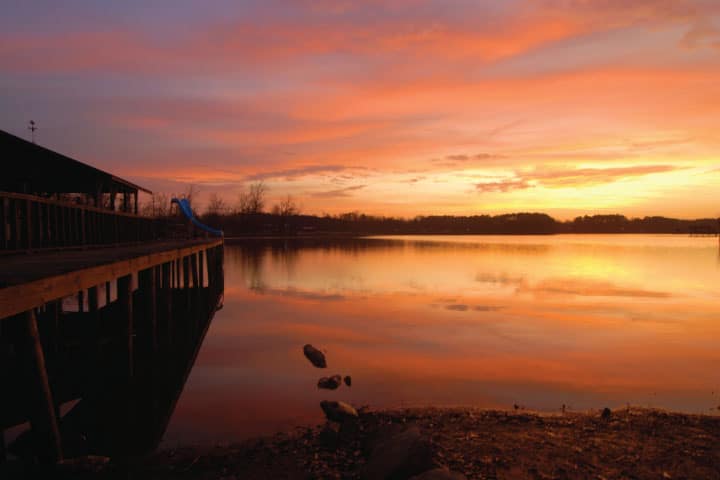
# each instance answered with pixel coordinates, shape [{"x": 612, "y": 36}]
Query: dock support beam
[
  {"x": 147, "y": 285},
  {"x": 41, "y": 407},
  {"x": 167, "y": 302},
  {"x": 125, "y": 301}
]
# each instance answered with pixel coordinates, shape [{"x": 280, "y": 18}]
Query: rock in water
[
  {"x": 440, "y": 474},
  {"x": 348, "y": 381},
  {"x": 400, "y": 456},
  {"x": 338, "y": 411},
  {"x": 316, "y": 357},
  {"x": 331, "y": 383}
]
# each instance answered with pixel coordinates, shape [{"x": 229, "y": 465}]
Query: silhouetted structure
[
  {"x": 95, "y": 308},
  {"x": 35, "y": 170}
]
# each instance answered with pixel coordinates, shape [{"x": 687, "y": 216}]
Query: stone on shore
[
  {"x": 400, "y": 456},
  {"x": 330, "y": 383},
  {"x": 316, "y": 357},
  {"x": 439, "y": 474},
  {"x": 338, "y": 411}
]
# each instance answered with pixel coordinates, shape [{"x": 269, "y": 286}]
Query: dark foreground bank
[{"x": 454, "y": 444}]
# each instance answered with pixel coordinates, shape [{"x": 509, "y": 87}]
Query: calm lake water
[{"x": 490, "y": 321}]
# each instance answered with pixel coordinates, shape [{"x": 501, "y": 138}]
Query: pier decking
[{"x": 29, "y": 280}]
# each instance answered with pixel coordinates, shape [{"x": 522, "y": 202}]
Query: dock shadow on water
[{"x": 97, "y": 376}]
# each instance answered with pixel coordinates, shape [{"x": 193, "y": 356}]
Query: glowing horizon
[{"x": 420, "y": 107}]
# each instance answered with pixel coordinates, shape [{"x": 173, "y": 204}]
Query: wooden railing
[{"x": 28, "y": 222}]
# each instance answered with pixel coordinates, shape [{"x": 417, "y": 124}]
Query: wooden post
[
  {"x": 220, "y": 272},
  {"x": 147, "y": 287},
  {"x": 81, "y": 301},
  {"x": 210, "y": 254},
  {"x": 93, "y": 299},
  {"x": 126, "y": 385},
  {"x": 62, "y": 219},
  {"x": 83, "y": 227},
  {"x": 29, "y": 226},
  {"x": 56, "y": 222},
  {"x": 18, "y": 229},
  {"x": 40, "y": 402},
  {"x": 167, "y": 301},
  {"x": 194, "y": 268},
  {"x": 195, "y": 299},
  {"x": 54, "y": 309},
  {"x": 93, "y": 330},
  {"x": 178, "y": 279},
  {"x": 186, "y": 286},
  {"x": 186, "y": 271},
  {"x": 201, "y": 267},
  {"x": 126, "y": 315}
]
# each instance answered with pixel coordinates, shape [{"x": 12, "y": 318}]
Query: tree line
[{"x": 251, "y": 217}]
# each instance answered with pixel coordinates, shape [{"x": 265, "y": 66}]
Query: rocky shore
[{"x": 429, "y": 443}]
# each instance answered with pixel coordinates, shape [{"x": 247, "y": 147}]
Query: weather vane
[{"x": 32, "y": 129}]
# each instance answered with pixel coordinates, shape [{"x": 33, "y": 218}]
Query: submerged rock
[
  {"x": 338, "y": 411},
  {"x": 316, "y": 357},
  {"x": 400, "y": 456},
  {"x": 348, "y": 380},
  {"x": 439, "y": 474},
  {"x": 330, "y": 383}
]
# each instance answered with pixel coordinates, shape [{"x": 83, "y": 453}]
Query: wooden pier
[
  {"x": 88, "y": 305},
  {"x": 101, "y": 313}
]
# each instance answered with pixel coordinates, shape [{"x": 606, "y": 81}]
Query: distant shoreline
[{"x": 342, "y": 236}]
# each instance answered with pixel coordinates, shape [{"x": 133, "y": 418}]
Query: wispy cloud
[
  {"x": 592, "y": 176},
  {"x": 339, "y": 192},
  {"x": 465, "y": 159},
  {"x": 295, "y": 173},
  {"x": 572, "y": 177},
  {"x": 503, "y": 185},
  {"x": 703, "y": 33}
]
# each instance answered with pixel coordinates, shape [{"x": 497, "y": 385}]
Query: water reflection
[{"x": 585, "y": 321}]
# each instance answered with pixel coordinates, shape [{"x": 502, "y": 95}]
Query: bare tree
[
  {"x": 286, "y": 207},
  {"x": 253, "y": 201},
  {"x": 190, "y": 192},
  {"x": 157, "y": 206},
  {"x": 216, "y": 205}
]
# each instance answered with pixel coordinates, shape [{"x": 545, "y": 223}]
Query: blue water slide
[{"x": 187, "y": 211}]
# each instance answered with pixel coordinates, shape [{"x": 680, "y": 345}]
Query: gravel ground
[{"x": 482, "y": 444}]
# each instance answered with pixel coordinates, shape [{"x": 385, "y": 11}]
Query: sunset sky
[{"x": 389, "y": 107}]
